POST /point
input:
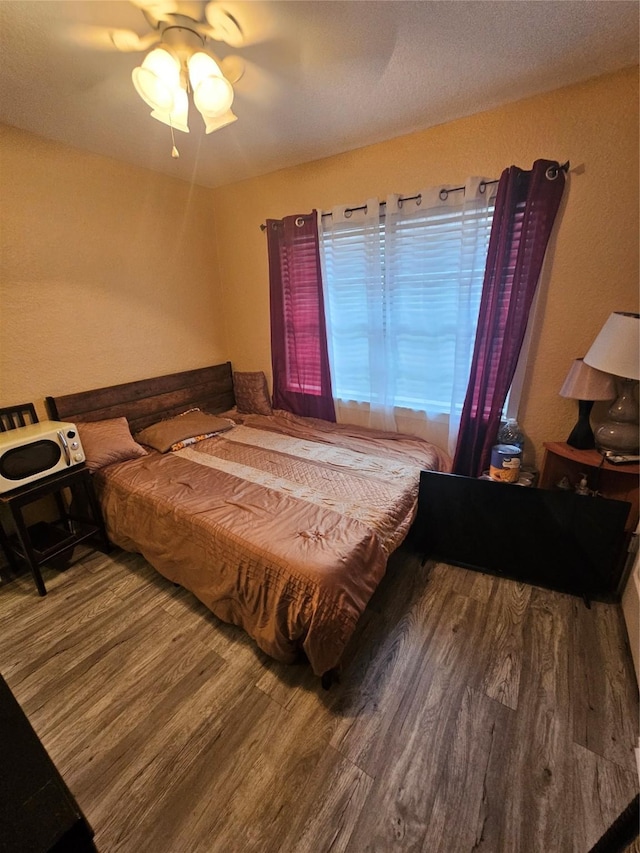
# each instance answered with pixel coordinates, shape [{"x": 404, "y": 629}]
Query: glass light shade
[
  {"x": 178, "y": 117},
  {"x": 152, "y": 89},
  {"x": 202, "y": 65},
  {"x": 163, "y": 63},
  {"x": 213, "y": 96},
  {"x": 212, "y": 124},
  {"x": 157, "y": 79}
]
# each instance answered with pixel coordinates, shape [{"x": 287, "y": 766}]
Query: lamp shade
[
  {"x": 587, "y": 383},
  {"x": 616, "y": 350},
  {"x": 157, "y": 79},
  {"x": 213, "y": 96},
  {"x": 178, "y": 117},
  {"x": 212, "y": 124},
  {"x": 202, "y": 65}
]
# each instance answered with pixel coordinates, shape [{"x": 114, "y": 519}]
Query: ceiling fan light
[
  {"x": 153, "y": 90},
  {"x": 213, "y": 96},
  {"x": 219, "y": 122},
  {"x": 201, "y": 65},
  {"x": 178, "y": 118},
  {"x": 158, "y": 79},
  {"x": 163, "y": 63}
]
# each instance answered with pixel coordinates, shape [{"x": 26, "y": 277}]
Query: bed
[{"x": 279, "y": 524}]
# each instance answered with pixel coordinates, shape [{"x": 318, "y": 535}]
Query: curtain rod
[
  {"x": 552, "y": 173},
  {"x": 443, "y": 195}
]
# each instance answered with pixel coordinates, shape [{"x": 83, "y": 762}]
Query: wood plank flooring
[{"x": 474, "y": 715}]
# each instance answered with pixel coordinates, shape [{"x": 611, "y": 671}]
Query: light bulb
[
  {"x": 177, "y": 117},
  {"x": 213, "y": 96},
  {"x": 202, "y": 65},
  {"x": 157, "y": 79}
]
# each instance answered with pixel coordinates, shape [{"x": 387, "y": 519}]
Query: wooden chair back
[{"x": 12, "y": 417}]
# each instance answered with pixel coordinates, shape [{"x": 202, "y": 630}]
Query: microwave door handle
[{"x": 65, "y": 447}]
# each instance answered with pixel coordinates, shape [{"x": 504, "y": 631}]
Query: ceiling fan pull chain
[{"x": 174, "y": 151}]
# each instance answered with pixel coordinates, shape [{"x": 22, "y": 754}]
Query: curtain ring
[
  {"x": 552, "y": 173},
  {"x": 299, "y": 221},
  {"x": 444, "y": 194},
  {"x": 418, "y": 199},
  {"x": 482, "y": 187},
  {"x": 347, "y": 213},
  {"x": 400, "y": 203}
]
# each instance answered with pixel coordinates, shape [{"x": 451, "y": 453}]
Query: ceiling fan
[
  {"x": 219, "y": 23},
  {"x": 180, "y": 63}
]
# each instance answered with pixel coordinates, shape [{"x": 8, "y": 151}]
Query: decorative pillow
[
  {"x": 251, "y": 393},
  {"x": 165, "y": 434},
  {"x": 107, "y": 442}
]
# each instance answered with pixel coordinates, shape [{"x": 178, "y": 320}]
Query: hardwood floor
[{"x": 474, "y": 715}]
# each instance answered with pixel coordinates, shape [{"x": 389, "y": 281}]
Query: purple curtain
[
  {"x": 299, "y": 357},
  {"x": 526, "y": 207}
]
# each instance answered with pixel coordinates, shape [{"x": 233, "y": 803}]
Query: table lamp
[
  {"x": 586, "y": 384},
  {"x": 616, "y": 350}
]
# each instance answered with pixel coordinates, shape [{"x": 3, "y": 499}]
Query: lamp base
[
  {"x": 620, "y": 431},
  {"x": 621, "y": 437},
  {"x": 582, "y": 435}
]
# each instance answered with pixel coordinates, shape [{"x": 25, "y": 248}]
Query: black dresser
[{"x": 37, "y": 811}]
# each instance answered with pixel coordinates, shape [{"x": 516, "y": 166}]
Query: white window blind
[{"x": 402, "y": 298}]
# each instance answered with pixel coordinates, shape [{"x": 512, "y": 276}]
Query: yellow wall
[
  {"x": 107, "y": 272},
  {"x": 594, "y": 253}
]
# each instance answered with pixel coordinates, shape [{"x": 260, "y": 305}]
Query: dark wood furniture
[
  {"x": 12, "y": 417},
  {"x": 150, "y": 400},
  {"x": 38, "y": 813},
  {"x": 619, "y": 482},
  {"x": 79, "y": 519},
  {"x": 615, "y": 482}
]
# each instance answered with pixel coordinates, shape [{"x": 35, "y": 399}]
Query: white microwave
[{"x": 35, "y": 451}]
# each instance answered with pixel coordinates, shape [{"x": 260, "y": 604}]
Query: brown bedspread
[{"x": 282, "y": 525}]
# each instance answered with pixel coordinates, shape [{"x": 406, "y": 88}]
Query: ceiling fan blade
[
  {"x": 233, "y": 68},
  {"x": 223, "y": 26},
  {"x": 126, "y": 41},
  {"x": 158, "y": 9},
  {"x": 110, "y": 38}
]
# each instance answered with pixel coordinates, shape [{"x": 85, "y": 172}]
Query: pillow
[
  {"x": 107, "y": 442},
  {"x": 163, "y": 435},
  {"x": 251, "y": 393}
]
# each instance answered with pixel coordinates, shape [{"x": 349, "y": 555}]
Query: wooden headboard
[{"x": 150, "y": 400}]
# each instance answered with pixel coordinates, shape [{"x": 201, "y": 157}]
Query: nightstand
[
  {"x": 619, "y": 482},
  {"x": 78, "y": 520},
  {"x": 613, "y": 482}
]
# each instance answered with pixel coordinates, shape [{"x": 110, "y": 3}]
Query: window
[{"x": 402, "y": 295}]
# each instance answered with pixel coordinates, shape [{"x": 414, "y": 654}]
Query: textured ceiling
[{"x": 321, "y": 77}]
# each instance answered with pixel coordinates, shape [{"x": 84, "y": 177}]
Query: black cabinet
[{"x": 38, "y": 813}]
